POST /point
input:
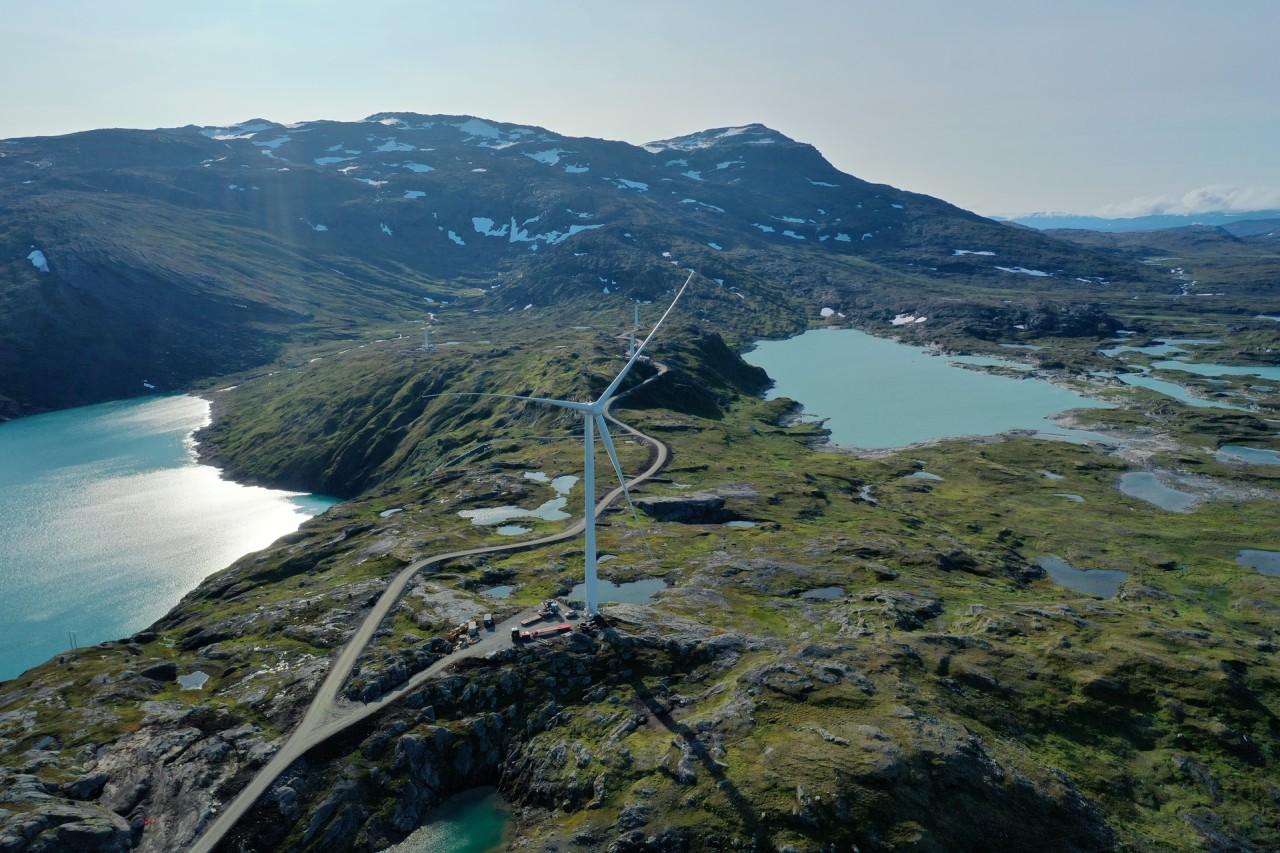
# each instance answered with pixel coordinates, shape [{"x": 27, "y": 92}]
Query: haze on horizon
[{"x": 1001, "y": 107}]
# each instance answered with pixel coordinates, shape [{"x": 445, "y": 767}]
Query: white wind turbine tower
[
  {"x": 593, "y": 418},
  {"x": 635, "y": 326}
]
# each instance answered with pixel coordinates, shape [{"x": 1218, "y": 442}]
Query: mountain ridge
[{"x": 346, "y": 223}]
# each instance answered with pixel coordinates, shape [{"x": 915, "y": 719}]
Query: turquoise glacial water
[
  {"x": 474, "y": 821},
  {"x": 1266, "y": 371},
  {"x": 880, "y": 393},
  {"x": 106, "y": 520},
  {"x": 1174, "y": 390}
]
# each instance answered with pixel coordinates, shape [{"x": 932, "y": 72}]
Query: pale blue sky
[{"x": 1003, "y": 107}]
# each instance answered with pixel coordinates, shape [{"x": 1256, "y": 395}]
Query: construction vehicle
[{"x": 488, "y": 621}]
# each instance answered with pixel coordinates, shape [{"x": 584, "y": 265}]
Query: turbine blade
[
  {"x": 613, "y": 386},
  {"x": 603, "y": 428},
  {"x": 564, "y": 404}
]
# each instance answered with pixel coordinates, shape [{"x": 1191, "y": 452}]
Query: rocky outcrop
[
  {"x": 693, "y": 508},
  {"x": 36, "y": 818}
]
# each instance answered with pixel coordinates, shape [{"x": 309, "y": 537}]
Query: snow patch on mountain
[
  {"x": 414, "y": 194},
  {"x": 702, "y": 204},
  {"x": 821, "y": 183},
  {"x": 385, "y": 228},
  {"x": 1025, "y": 271},
  {"x": 393, "y": 145},
  {"x": 38, "y": 260},
  {"x": 768, "y": 229},
  {"x": 958, "y": 252},
  {"x": 842, "y": 237},
  {"x": 273, "y": 144},
  {"x": 418, "y": 167},
  {"x": 907, "y": 320},
  {"x": 625, "y": 184},
  {"x": 329, "y": 161},
  {"x": 484, "y": 225},
  {"x": 551, "y": 156},
  {"x": 479, "y": 127},
  {"x": 455, "y": 238},
  {"x": 694, "y": 174},
  {"x": 575, "y": 169},
  {"x": 716, "y": 246},
  {"x": 793, "y": 235},
  {"x": 749, "y": 133}
]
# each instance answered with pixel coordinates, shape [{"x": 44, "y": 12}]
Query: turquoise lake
[
  {"x": 879, "y": 393},
  {"x": 474, "y": 821},
  {"x": 1173, "y": 389},
  {"x": 107, "y": 520}
]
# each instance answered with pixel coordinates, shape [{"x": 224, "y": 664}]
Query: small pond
[
  {"x": 1266, "y": 562},
  {"x": 1068, "y": 496},
  {"x": 193, "y": 680},
  {"x": 1104, "y": 583},
  {"x": 1248, "y": 455},
  {"x": 824, "y": 593},
  {"x": 503, "y": 591},
  {"x": 552, "y": 510},
  {"x": 631, "y": 592},
  {"x": 923, "y": 475},
  {"x": 1145, "y": 486},
  {"x": 740, "y": 524}
]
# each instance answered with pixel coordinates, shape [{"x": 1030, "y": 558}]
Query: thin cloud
[{"x": 1211, "y": 199}]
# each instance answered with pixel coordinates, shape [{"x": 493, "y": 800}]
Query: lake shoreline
[{"x": 132, "y": 469}]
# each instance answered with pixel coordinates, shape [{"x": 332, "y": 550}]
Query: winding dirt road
[{"x": 326, "y": 716}]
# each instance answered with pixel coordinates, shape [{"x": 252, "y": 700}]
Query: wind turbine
[
  {"x": 593, "y": 418},
  {"x": 631, "y": 339}
]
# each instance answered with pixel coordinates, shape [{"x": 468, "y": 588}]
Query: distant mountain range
[
  {"x": 140, "y": 259},
  {"x": 1048, "y": 221}
]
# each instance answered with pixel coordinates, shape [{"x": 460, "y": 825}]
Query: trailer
[
  {"x": 551, "y": 631},
  {"x": 518, "y": 636}
]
